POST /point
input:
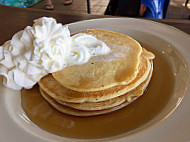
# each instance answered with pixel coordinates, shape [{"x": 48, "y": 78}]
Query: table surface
[{"x": 13, "y": 19}]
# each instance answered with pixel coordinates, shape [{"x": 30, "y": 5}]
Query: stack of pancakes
[{"x": 100, "y": 87}]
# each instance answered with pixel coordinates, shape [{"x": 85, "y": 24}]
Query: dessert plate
[{"x": 171, "y": 42}]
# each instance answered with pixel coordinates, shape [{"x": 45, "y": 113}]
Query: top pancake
[{"x": 103, "y": 75}]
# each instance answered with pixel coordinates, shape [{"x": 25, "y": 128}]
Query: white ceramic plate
[{"x": 15, "y": 125}]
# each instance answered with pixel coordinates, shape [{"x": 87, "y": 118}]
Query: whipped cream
[{"x": 44, "y": 48}]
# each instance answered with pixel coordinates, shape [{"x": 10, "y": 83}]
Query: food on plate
[
  {"x": 89, "y": 73},
  {"x": 100, "y": 87}
]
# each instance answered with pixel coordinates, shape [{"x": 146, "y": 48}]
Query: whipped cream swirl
[{"x": 44, "y": 48}]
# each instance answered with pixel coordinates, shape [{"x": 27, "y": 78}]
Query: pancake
[
  {"x": 59, "y": 92},
  {"x": 103, "y": 75},
  {"x": 101, "y": 87},
  {"x": 104, "y": 104},
  {"x": 125, "y": 100}
]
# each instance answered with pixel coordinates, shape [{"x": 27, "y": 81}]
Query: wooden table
[{"x": 14, "y": 19}]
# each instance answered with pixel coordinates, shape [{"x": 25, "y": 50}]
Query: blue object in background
[
  {"x": 19, "y": 3},
  {"x": 156, "y": 8}
]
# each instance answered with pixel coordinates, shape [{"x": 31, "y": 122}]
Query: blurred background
[{"x": 177, "y": 9}]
